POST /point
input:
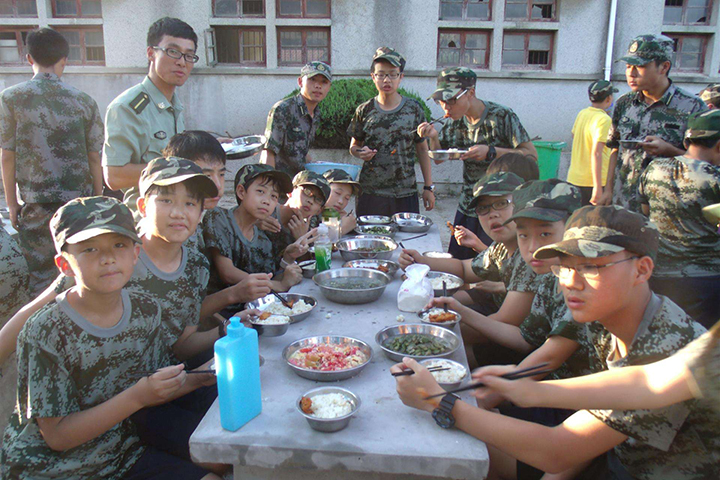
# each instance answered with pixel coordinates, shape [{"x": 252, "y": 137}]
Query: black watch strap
[
  {"x": 442, "y": 415},
  {"x": 429, "y": 188},
  {"x": 491, "y": 154}
]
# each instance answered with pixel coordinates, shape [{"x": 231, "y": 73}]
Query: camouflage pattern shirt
[
  {"x": 498, "y": 126},
  {"x": 675, "y": 442},
  {"x": 633, "y": 119},
  {"x": 51, "y": 127},
  {"x": 290, "y": 131},
  {"x": 676, "y": 190},
  {"x": 496, "y": 265},
  {"x": 67, "y": 365},
  {"x": 702, "y": 358},
  {"x": 391, "y": 172},
  {"x": 180, "y": 293},
  {"x": 13, "y": 277}
]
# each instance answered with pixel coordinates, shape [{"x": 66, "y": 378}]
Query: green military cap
[
  {"x": 711, "y": 93},
  {"x": 705, "y": 125},
  {"x": 452, "y": 81},
  {"x": 84, "y": 218},
  {"x": 646, "y": 48},
  {"x": 599, "y": 90},
  {"x": 549, "y": 200},
  {"x": 249, "y": 172},
  {"x": 712, "y": 214},
  {"x": 308, "y": 178},
  {"x": 338, "y": 175},
  {"x": 316, "y": 68},
  {"x": 598, "y": 231},
  {"x": 173, "y": 170},
  {"x": 387, "y": 53},
  {"x": 495, "y": 185}
]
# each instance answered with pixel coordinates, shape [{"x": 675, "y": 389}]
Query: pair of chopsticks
[
  {"x": 411, "y": 238},
  {"x": 284, "y": 302},
  {"x": 525, "y": 372},
  {"x": 148, "y": 373},
  {"x": 407, "y": 371}
]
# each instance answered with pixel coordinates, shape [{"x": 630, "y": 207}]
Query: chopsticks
[
  {"x": 445, "y": 295},
  {"x": 411, "y": 372},
  {"x": 416, "y": 236},
  {"x": 525, "y": 372},
  {"x": 148, "y": 373},
  {"x": 284, "y": 302}
]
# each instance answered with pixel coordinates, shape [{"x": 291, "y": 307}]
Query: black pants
[
  {"x": 698, "y": 296},
  {"x": 586, "y": 194},
  {"x": 368, "y": 204},
  {"x": 472, "y": 224},
  {"x": 158, "y": 465}
]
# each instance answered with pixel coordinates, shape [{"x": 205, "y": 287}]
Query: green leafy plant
[{"x": 339, "y": 107}]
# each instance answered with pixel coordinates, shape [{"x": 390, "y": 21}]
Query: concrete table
[{"x": 385, "y": 439}]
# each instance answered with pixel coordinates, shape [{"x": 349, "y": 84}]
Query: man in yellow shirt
[{"x": 590, "y": 156}]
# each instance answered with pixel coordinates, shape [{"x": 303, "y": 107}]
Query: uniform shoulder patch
[{"x": 139, "y": 103}]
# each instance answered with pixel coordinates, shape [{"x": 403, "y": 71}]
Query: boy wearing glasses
[
  {"x": 141, "y": 120},
  {"x": 606, "y": 260},
  {"x": 384, "y": 138},
  {"x": 486, "y": 129}
]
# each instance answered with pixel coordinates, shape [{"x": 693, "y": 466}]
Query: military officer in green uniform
[
  {"x": 649, "y": 121},
  {"x": 141, "y": 120}
]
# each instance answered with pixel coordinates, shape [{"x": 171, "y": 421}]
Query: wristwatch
[
  {"x": 442, "y": 414},
  {"x": 491, "y": 154},
  {"x": 430, "y": 188}
]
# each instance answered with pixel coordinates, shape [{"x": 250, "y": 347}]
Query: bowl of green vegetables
[{"x": 416, "y": 340}]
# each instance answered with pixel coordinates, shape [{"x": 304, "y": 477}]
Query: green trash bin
[{"x": 549, "y": 158}]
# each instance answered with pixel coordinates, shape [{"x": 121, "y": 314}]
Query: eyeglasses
[
  {"x": 587, "y": 271},
  {"x": 452, "y": 101},
  {"x": 483, "y": 210},
  {"x": 176, "y": 54},
  {"x": 383, "y": 76},
  {"x": 314, "y": 199}
]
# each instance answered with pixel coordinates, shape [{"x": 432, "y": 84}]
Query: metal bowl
[
  {"x": 433, "y": 254},
  {"x": 412, "y": 222},
  {"x": 453, "y": 154},
  {"x": 375, "y": 237},
  {"x": 349, "y": 248},
  {"x": 322, "y": 376},
  {"x": 447, "y": 385},
  {"x": 381, "y": 230},
  {"x": 374, "y": 264},
  {"x": 424, "y": 318},
  {"x": 351, "y": 295},
  {"x": 274, "y": 330},
  {"x": 243, "y": 147},
  {"x": 308, "y": 268},
  {"x": 329, "y": 424},
  {"x": 438, "y": 292},
  {"x": 262, "y": 304},
  {"x": 374, "y": 220},
  {"x": 452, "y": 341}
]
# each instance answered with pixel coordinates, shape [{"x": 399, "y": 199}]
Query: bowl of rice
[
  {"x": 302, "y": 306},
  {"x": 328, "y": 409},
  {"x": 448, "y": 379},
  {"x": 453, "y": 283},
  {"x": 438, "y": 316},
  {"x": 270, "y": 325}
]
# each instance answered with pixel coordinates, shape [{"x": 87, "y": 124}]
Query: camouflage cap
[
  {"x": 705, "y": 125},
  {"x": 249, "y": 172},
  {"x": 599, "y": 90},
  {"x": 646, "y": 48},
  {"x": 495, "y": 185},
  {"x": 316, "y": 68},
  {"x": 173, "y": 170},
  {"x": 452, "y": 81},
  {"x": 306, "y": 177},
  {"x": 594, "y": 232},
  {"x": 712, "y": 214},
  {"x": 548, "y": 200},
  {"x": 387, "y": 53},
  {"x": 711, "y": 93},
  {"x": 84, "y": 218},
  {"x": 338, "y": 175}
]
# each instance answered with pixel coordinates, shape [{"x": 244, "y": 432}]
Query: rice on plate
[
  {"x": 327, "y": 405},
  {"x": 455, "y": 373},
  {"x": 277, "y": 308},
  {"x": 271, "y": 320},
  {"x": 450, "y": 282}
]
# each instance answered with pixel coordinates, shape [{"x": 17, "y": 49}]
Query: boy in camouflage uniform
[
  {"x": 384, "y": 138},
  {"x": 80, "y": 357},
  {"x": 487, "y": 129},
  {"x": 292, "y": 123},
  {"x": 711, "y": 96},
  {"x": 650, "y": 120},
  {"x": 50, "y": 136},
  {"x": 673, "y": 193},
  {"x": 342, "y": 189},
  {"x": 606, "y": 259}
]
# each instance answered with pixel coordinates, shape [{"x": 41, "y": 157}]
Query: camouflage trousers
[
  {"x": 8, "y": 391},
  {"x": 625, "y": 189},
  {"x": 13, "y": 277},
  {"x": 37, "y": 245}
]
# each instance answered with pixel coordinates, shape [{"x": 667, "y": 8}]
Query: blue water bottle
[{"x": 237, "y": 366}]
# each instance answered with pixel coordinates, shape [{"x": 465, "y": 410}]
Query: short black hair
[
  {"x": 383, "y": 60},
  {"x": 193, "y": 187},
  {"x": 195, "y": 145},
  {"x": 265, "y": 179},
  {"x": 702, "y": 142},
  {"x": 173, "y": 27},
  {"x": 524, "y": 166},
  {"x": 47, "y": 46},
  {"x": 659, "y": 62}
]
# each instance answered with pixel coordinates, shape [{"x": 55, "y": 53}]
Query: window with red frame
[
  {"x": 532, "y": 10},
  {"x": 689, "y": 53},
  {"x": 77, "y": 8},
  {"x": 303, "y": 8},
  {"x": 239, "y": 8},
  {"x": 240, "y": 45},
  {"x": 18, "y": 8},
  {"x": 12, "y": 45},
  {"x": 687, "y": 12},
  {"x": 465, "y": 9},
  {"x": 465, "y": 48},
  {"x": 298, "y": 46},
  {"x": 86, "y": 46},
  {"x": 531, "y": 50}
]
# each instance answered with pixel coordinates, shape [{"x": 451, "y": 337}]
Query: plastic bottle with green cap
[
  {"x": 237, "y": 366},
  {"x": 323, "y": 249}
]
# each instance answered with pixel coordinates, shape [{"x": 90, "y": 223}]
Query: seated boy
[
  {"x": 606, "y": 259},
  {"x": 80, "y": 358},
  {"x": 308, "y": 197},
  {"x": 342, "y": 189}
]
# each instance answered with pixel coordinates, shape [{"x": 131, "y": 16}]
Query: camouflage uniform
[
  {"x": 51, "y": 127},
  {"x": 702, "y": 358},
  {"x": 290, "y": 128},
  {"x": 711, "y": 95},
  {"x": 634, "y": 119}
]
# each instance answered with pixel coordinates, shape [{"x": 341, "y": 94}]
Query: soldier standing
[
  {"x": 650, "y": 120},
  {"x": 292, "y": 122},
  {"x": 51, "y": 137},
  {"x": 141, "y": 120}
]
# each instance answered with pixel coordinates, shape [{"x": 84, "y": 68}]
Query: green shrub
[{"x": 339, "y": 107}]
